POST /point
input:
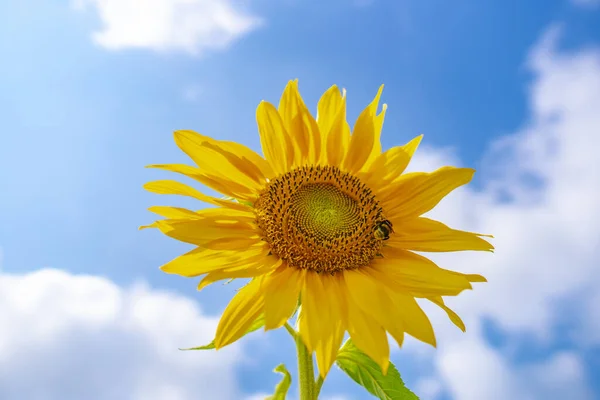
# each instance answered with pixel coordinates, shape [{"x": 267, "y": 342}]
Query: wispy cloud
[
  {"x": 540, "y": 201},
  {"x": 586, "y": 3},
  {"x": 191, "y": 26}
]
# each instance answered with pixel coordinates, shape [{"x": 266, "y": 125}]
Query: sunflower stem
[
  {"x": 306, "y": 375},
  {"x": 290, "y": 330},
  {"x": 318, "y": 385}
]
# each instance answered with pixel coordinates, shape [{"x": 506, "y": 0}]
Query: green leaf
[
  {"x": 282, "y": 387},
  {"x": 257, "y": 324},
  {"x": 364, "y": 371}
]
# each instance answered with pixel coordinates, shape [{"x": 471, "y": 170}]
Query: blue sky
[{"x": 91, "y": 94}]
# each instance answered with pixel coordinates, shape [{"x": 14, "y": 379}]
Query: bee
[{"x": 383, "y": 229}]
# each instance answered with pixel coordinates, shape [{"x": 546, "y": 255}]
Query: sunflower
[{"x": 325, "y": 218}]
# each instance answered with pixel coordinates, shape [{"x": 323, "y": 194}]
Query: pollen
[{"x": 320, "y": 218}]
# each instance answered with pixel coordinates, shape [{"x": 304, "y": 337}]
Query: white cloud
[
  {"x": 540, "y": 196},
  {"x": 551, "y": 243},
  {"x": 192, "y": 26},
  {"x": 590, "y": 317},
  {"x": 258, "y": 396},
  {"x": 69, "y": 337},
  {"x": 475, "y": 371},
  {"x": 428, "y": 388},
  {"x": 586, "y": 3}
]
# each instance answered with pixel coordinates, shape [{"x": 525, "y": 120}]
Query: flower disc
[{"x": 320, "y": 218}]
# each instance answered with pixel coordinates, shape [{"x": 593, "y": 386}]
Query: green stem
[
  {"x": 290, "y": 330},
  {"x": 306, "y": 374},
  {"x": 318, "y": 385}
]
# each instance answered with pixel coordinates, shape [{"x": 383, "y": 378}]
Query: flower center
[{"x": 320, "y": 218}]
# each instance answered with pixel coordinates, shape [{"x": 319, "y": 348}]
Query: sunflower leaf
[
  {"x": 364, "y": 371},
  {"x": 283, "y": 386},
  {"x": 256, "y": 325}
]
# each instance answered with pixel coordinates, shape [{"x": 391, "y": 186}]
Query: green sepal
[
  {"x": 256, "y": 325},
  {"x": 283, "y": 386},
  {"x": 244, "y": 202},
  {"x": 364, "y": 371}
]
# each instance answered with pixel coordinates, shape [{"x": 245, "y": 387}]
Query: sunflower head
[
  {"x": 320, "y": 219},
  {"x": 323, "y": 216}
]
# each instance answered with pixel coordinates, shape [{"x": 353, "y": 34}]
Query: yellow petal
[
  {"x": 240, "y": 156},
  {"x": 281, "y": 290},
  {"x": 173, "y": 212},
  {"x": 227, "y": 214},
  {"x": 203, "y": 231},
  {"x": 334, "y": 327},
  {"x": 322, "y": 317},
  {"x": 391, "y": 164},
  {"x": 233, "y": 243},
  {"x": 414, "y": 319},
  {"x": 229, "y": 188},
  {"x": 288, "y": 109},
  {"x": 300, "y": 124},
  {"x": 475, "y": 278},
  {"x": 216, "y": 161},
  {"x": 177, "y": 188},
  {"x": 202, "y": 261},
  {"x": 260, "y": 267},
  {"x": 368, "y": 335},
  {"x": 152, "y": 225},
  {"x": 241, "y": 312},
  {"x": 338, "y": 136},
  {"x": 414, "y": 194},
  {"x": 247, "y": 155},
  {"x": 424, "y": 234},
  {"x": 451, "y": 314},
  {"x": 377, "y": 127},
  {"x": 306, "y": 121},
  {"x": 336, "y": 289},
  {"x": 276, "y": 143},
  {"x": 404, "y": 271},
  {"x": 225, "y": 186},
  {"x": 312, "y": 316},
  {"x": 328, "y": 108},
  {"x": 216, "y": 276},
  {"x": 364, "y": 142},
  {"x": 412, "y": 146},
  {"x": 331, "y": 116},
  {"x": 371, "y": 297}
]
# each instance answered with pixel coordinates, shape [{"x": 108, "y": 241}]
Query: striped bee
[{"x": 383, "y": 229}]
